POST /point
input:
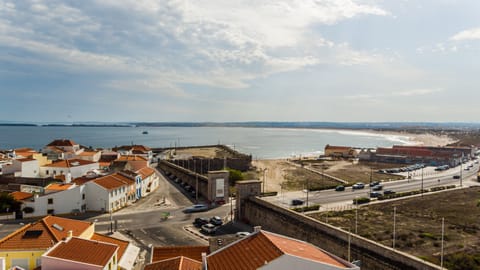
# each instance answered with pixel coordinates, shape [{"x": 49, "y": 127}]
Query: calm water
[{"x": 262, "y": 143}]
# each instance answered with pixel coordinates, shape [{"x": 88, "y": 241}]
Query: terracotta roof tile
[
  {"x": 131, "y": 158},
  {"x": 87, "y": 154},
  {"x": 192, "y": 252},
  {"x": 145, "y": 172},
  {"x": 83, "y": 250},
  {"x": 62, "y": 143},
  {"x": 59, "y": 186},
  {"x": 70, "y": 163},
  {"x": 42, "y": 234},
  {"x": 122, "y": 245},
  {"x": 259, "y": 248},
  {"x": 110, "y": 182},
  {"x": 25, "y": 159},
  {"x": 177, "y": 263},
  {"x": 19, "y": 195}
]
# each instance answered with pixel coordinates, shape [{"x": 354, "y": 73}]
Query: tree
[
  {"x": 235, "y": 175},
  {"x": 8, "y": 204}
]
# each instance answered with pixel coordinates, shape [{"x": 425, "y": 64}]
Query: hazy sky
[{"x": 230, "y": 60}]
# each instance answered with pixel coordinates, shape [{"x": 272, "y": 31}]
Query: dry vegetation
[{"x": 419, "y": 226}]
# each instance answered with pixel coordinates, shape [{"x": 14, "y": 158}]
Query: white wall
[
  {"x": 97, "y": 197},
  {"x": 75, "y": 171},
  {"x": 288, "y": 262},
  {"x": 30, "y": 168},
  {"x": 63, "y": 202}
]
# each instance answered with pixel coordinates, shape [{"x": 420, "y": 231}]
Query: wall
[
  {"x": 284, "y": 221},
  {"x": 97, "y": 197},
  {"x": 30, "y": 168},
  {"x": 31, "y": 255},
  {"x": 186, "y": 176},
  {"x": 63, "y": 202}
]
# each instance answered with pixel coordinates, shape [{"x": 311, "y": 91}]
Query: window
[
  {"x": 50, "y": 201},
  {"x": 54, "y": 172},
  {"x": 47, "y": 172},
  {"x": 50, "y": 211},
  {"x": 83, "y": 196}
]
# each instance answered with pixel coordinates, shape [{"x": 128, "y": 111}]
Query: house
[
  {"x": 127, "y": 253},
  {"x": 259, "y": 250},
  {"x": 137, "y": 150},
  {"x": 77, "y": 253},
  {"x": 62, "y": 149},
  {"x": 59, "y": 198},
  {"x": 89, "y": 155},
  {"x": 150, "y": 180},
  {"x": 107, "y": 193},
  {"x": 340, "y": 151},
  {"x": 20, "y": 195},
  {"x": 74, "y": 167},
  {"x": 25, "y": 246},
  {"x": 23, "y": 167},
  {"x": 130, "y": 162}
]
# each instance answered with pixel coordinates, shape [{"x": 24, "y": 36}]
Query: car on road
[
  {"x": 456, "y": 176},
  {"x": 358, "y": 185},
  {"x": 374, "y": 183},
  {"x": 199, "y": 222},
  {"x": 375, "y": 194},
  {"x": 196, "y": 208},
  {"x": 297, "y": 202},
  {"x": 216, "y": 221},
  {"x": 208, "y": 229},
  {"x": 339, "y": 188},
  {"x": 377, "y": 187},
  {"x": 388, "y": 191},
  {"x": 242, "y": 234}
]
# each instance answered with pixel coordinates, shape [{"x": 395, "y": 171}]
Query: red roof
[
  {"x": 177, "y": 263},
  {"x": 84, "y": 251},
  {"x": 145, "y": 172},
  {"x": 192, "y": 252},
  {"x": 113, "y": 181},
  {"x": 19, "y": 195},
  {"x": 70, "y": 163},
  {"x": 122, "y": 245}
]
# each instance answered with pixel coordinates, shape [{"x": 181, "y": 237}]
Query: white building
[
  {"x": 24, "y": 167},
  {"x": 150, "y": 180},
  {"x": 107, "y": 193},
  {"x": 58, "y": 199},
  {"x": 76, "y": 168},
  {"x": 90, "y": 155}
]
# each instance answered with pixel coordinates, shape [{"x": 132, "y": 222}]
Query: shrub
[
  {"x": 361, "y": 200},
  {"x": 314, "y": 207}
]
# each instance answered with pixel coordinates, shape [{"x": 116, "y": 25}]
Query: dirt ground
[
  {"x": 418, "y": 226},
  {"x": 282, "y": 174},
  {"x": 207, "y": 152}
]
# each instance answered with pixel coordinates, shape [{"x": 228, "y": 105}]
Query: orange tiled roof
[
  {"x": 254, "y": 251},
  {"x": 84, "y": 251},
  {"x": 145, "y": 172},
  {"x": 70, "y": 163},
  {"x": 104, "y": 163},
  {"x": 59, "y": 186},
  {"x": 25, "y": 159},
  {"x": 192, "y": 252},
  {"x": 110, "y": 182},
  {"x": 87, "y": 154},
  {"x": 122, "y": 245},
  {"x": 131, "y": 158},
  {"x": 19, "y": 195},
  {"x": 42, "y": 234},
  {"x": 62, "y": 143},
  {"x": 25, "y": 152},
  {"x": 177, "y": 263}
]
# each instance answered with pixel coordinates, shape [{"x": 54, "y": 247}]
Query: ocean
[{"x": 261, "y": 143}]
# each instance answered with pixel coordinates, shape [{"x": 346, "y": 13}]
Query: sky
[{"x": 228, "y": 61}]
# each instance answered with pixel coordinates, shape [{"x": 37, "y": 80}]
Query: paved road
[{"x": 332, "y": 197}]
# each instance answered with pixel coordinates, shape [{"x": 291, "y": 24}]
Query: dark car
[
  {"x": 374, "y": 183},
  {"x": 297, "y": 202},
  {"x": 199, "y": 222},
  {"x": 339, "y": 188},
  {"x": 456, "y": 176},
  {"x": 375, "y": 194},
  {"x": 358, "y": 185},
  {"x": 377, "y": 187},
  {"x": 388, "y": 191},
  {"x": 196, "y": 208},
  {"x": 216, "y": 220}
]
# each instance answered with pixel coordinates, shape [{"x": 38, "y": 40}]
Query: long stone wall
[
  {"x": 186, "y": 176},
  {"x": 372, "y": 255}
]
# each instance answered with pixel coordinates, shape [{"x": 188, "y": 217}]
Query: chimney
[
  {"x": 68, "y": 178},
  {"x": 257, "y": 228},
  {"x": 69, "y": 234},
  {"x": 204, "y": 261}
]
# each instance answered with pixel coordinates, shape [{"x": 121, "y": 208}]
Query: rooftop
[
  {"x": 19, "y": 195},
  {"x": 62, "y": 142},
  {"x": 122, "y": 245},
  {"x": 84, "y": 251},
  {"x": 176, "y": 263},
  {"x": 70, "y": 163},
  {"x": 192, "y": 252}
]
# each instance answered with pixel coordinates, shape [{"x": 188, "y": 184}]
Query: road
[{"x": 332, "y": 197}]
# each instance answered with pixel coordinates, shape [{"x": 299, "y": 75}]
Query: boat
[{"x": 145, "y": 132}]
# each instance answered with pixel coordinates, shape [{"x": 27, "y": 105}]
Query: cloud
[
  {"x": 469, "y": 34},
  {"x": 402, "y": 93}
]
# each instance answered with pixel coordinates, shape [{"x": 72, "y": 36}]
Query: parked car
[
  {"x": 456, "y": 176},
  {"x": 216, "y": 221},
  {"x": 375, "y": 194},
  {"x": 196, "y": 208},
  {"x": 358, "y": 185},
  {"x": 339, "y": 188},
  {"x": 388, "y": 191},
  {"x": 242, "y": 234},
  {"x": 199, "y": 222},
  {"x": 208, "y": 229},
  {"x": 377, "y": 187},
  {"x": 297, "y": 202}
]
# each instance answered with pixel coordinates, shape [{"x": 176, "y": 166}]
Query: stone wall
[
  {"x": 185, "y": 176},
  {"x": 284, "y": 221}
]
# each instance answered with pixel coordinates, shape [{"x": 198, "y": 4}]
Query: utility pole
[
  {"x": 196, "y": 180},
  {"x": 349, "y": 236},
  {"x": 307, "y": 192},
  {"x": 441, "y": 252},
  {"x": 461, "y": 172},
  {"x": 394, "y": 225},
  {"x": 356, "y": 214},
  {"x": 422, "y": 183},
  {"x": 264, "y": 179}
]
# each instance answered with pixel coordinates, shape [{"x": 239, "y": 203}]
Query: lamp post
[
  {"x": 422, "y": 183},
  {"x": 264, "y": 179},
  {"x": 441, "y": 252},
  {"x": 196, "y": 180},
  {"x": 394, "y": 225},
  {"x": 356, "y": 214},
  {"x": 307, "y": 192}
]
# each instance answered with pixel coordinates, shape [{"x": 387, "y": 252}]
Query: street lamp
[
  {"x": 356, "y": 213},
  {"x": 196, "y": 181},
  {"x": 264, "y": 179},
  {"x": 307, "y": 192}
]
